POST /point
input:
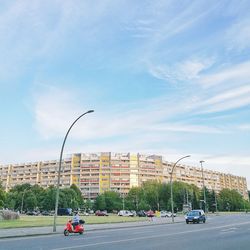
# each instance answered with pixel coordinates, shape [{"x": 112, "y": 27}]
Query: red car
[{"x": 101, "y": 213}]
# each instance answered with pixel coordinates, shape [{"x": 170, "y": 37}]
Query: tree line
[{"x": 151, "y": 195}]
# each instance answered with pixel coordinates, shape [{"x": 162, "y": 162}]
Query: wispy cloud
[
  {"x": 238, "y": 36},
  {"x": 234, "y": 74},
  {"x": 182, "y": 71},
  {"x": 54, "y": 108}
]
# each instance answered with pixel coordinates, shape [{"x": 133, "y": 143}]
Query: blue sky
[{"x": 165, "y": 77}]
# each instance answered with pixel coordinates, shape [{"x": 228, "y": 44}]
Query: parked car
[
  {"x": 164, "y": 214},
  {"x": 195, "y": 216},
  {"x": 125, "y": 213},
  {"x": 32, "y": 213},
  {"x": 91, "y": 211},
  {"x": 45, "y": 213},
  {"x": 133, "y": 212},
  {"x": 64, "y": 211},
  {"x": 169, "y": 214},
  {"x": 101, "y": 213},
  {"x": 141, "y": 213}
]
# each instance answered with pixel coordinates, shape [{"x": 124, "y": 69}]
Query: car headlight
[
  {"x": 186, "y": 217},
  {"x": 196, "y": 217}
]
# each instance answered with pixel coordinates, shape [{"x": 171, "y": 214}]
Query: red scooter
[{"x": 79, "y": 229}]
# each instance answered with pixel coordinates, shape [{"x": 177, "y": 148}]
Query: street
[{"x": 219, "y": 232}]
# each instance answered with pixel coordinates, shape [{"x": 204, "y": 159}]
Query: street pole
[
  {"x": 23, "y": 199},
  {"x": 59, "y": 169},
  {"x": 123, "y": 205},
  {"x": 216, "y": 209},
  {"x": 204, "y": 191},
  {"x": 171, "y": 186}
]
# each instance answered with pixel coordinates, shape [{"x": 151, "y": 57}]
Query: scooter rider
[{"x": 76, "y": 219}]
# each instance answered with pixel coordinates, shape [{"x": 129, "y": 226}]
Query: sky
[{"x": 164, "y": 77}]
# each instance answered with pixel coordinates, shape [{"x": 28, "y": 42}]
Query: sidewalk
[{"x": 35, "y": 231}]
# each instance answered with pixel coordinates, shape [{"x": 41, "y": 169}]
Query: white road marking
[
  {"x": 149, "y": 237},
  {"x": 86, "y": 238}
]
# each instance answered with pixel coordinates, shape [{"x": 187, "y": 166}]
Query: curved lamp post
[
  {"x": 60, "y": 165},
  {"x": 171, "y": 185}
]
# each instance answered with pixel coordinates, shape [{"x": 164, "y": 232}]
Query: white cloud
[
  {"x": 238, "y": 36},
  {"x": 238, "y": 73},
  {"x": 225, "y": 100},
  {"x": 237, "y": 164},
  {"x": 183, "y": 71},
  {"x": 53, "y": 109},
  {"x": 244, "y": 127},
  {"x": 56, "y": 108}
]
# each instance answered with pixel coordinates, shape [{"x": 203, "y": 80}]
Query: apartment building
[{"x": 95, "y": 173}]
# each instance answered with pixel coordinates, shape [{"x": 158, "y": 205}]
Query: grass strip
[{"x": 40, "y": 221}]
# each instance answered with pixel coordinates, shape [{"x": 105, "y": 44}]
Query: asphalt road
[{"x": 219, "y": 232}]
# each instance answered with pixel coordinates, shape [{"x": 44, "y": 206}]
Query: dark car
[
  {"x": 45, "y": 213},
  {"x": 195, "y": 216},
  {"x": 141, "y": 213},
  {"x": 64, "y": 211},
  {"x": 32, "y": 213}
]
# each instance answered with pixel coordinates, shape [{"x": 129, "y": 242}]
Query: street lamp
[
  {"x": 171, "y": 185},
  {"x": 59, "y": 170},
  {"x": 204, "y": 191}
]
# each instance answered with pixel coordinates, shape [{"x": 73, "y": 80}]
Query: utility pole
[
  {"x": 204, "y": 191},
  {"x": 123, "y": 201}
]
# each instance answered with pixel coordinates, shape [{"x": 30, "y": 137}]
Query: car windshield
[{"x": 193, "y": 213}]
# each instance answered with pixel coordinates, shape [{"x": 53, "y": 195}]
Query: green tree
[
  {"x": 230, "y": 200},
  {"x": 48, "y": 199},
  {"x": 79, "y": 197},
  {"x": 134, "y": 198},
  {"x": 195, "y": 199},
  {"x": 30, "y": 201},
  {"x": 2, "y": 196},
  {"x": 151, "y": 190},
  {"x": 100, "y": 203},
  {"x": 68, "y": 198},
  {"x": 88, "y": 205},
  {"x": 113, "y": 201}
]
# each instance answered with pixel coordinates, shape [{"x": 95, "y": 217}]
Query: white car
[
  {"x": 166, "y": 214},
  {"x": 125, "y": 213}
]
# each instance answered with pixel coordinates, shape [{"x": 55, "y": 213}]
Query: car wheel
[
  {"x": 66, "y": 233},
  {"x": 80, "y": 232},
  {"x": 187, "y": 222},
  {"x": 204, "y": 221}
]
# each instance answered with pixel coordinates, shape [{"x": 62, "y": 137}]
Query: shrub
[{"x": 8, "y": 215}]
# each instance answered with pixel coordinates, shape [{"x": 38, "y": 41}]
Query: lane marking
[
  {"x": 226, "y": 232},
  {"x": 148, "y": 237},
  {"x": 229, "y": 229},
  {"x": 86, "y": 238}
]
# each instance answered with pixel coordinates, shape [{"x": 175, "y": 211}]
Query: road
[{"x": 231, "y": 232}]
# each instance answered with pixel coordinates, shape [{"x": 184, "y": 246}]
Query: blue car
[{"x": 195, "y": 216}]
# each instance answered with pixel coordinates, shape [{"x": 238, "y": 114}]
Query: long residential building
[{"x": 95, "y": 173}]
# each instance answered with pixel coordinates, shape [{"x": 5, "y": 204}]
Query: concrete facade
[{"x": 95, "y": 173}]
